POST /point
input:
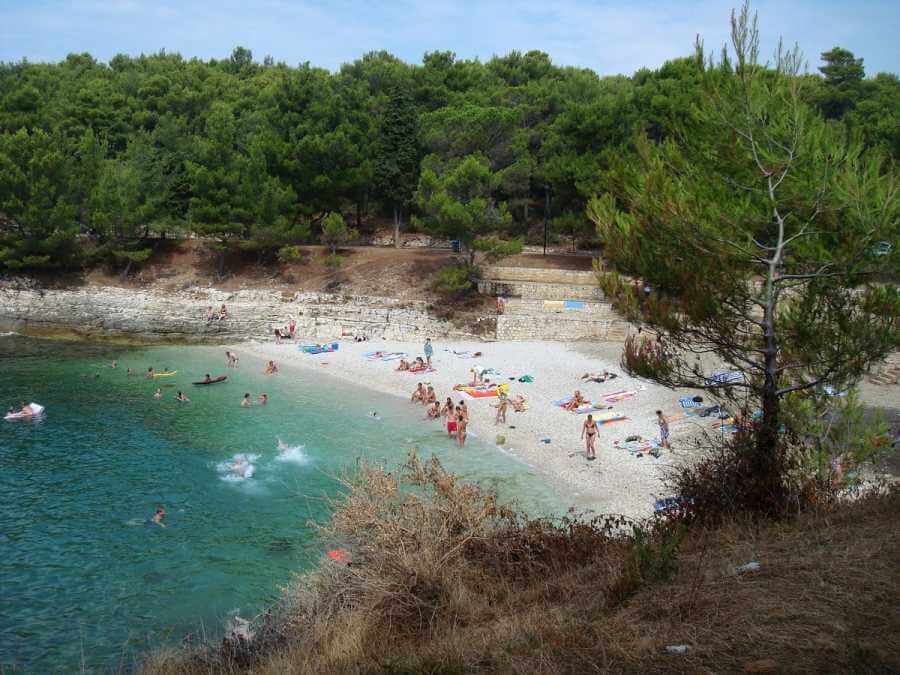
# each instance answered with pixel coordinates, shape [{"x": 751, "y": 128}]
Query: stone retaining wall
[
  {"x": 560, "y": 327},
  {"x": 540, "y": 291},
  {"x": 181, "y": 316},
  {"x": 541, "y": 275}
]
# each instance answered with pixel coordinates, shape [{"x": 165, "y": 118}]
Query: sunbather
[
  {"x": 599, "y": 377},
  {"x": 576, "y": 402},
  {"x": 519, "y": 403},
  {"x": 404, "y": 365}
]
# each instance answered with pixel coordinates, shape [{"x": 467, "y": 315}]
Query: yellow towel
[{"x": 554, "y": 304}]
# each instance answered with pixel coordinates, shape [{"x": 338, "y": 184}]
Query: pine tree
[{"x": 396, "y": 165}]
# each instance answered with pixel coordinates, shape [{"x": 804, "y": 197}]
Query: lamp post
[{"x": 546, "y": 215}]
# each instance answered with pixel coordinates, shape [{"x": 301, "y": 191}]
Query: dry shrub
[{"x": 445, "y": 579}]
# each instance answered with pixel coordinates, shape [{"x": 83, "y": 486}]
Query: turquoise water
[{"x": 84, "y": 582}]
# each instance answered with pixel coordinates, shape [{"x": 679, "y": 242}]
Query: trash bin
[{"x": 454, "y": 244}]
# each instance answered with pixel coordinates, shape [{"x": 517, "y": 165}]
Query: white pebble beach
[{"x": 617, "y": 482}]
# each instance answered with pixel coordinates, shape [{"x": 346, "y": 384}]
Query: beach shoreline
[{"x": 617, "y": 482}]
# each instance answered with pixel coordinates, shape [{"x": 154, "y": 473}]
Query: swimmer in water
[
  {"x": 158, "y": 517},
  {"x": 150, "y": 372},
  {"x": 115, "y": 364},
  {"x": 181, "y": 397},
  {"x": 157, "y": 394},
  {"x": 282, "y": 446},
  {"x": 129, "y": 372},
  {"x": 263, "y": 399},
  {"x": 246, "y": 402}
]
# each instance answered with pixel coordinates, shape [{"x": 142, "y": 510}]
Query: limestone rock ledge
[{"x": 153, "y": 315}]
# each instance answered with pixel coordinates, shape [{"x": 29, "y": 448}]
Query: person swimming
[
  {"x": 157, "y": 394},
  {"x": 246, "y": 402},
  {"x": 263, "y": 398},
  {"x": 157, "y": 518},
  {"x": 150, "y": 372},
  {"x": 181, "y": 397}
]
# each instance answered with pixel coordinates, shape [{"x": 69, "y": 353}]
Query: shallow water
[{"x": 87, "y": 583}]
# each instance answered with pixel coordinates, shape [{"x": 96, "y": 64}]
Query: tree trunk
[
  {"x": 546, "y": 215},
  {"x": 396, "y": 226}
]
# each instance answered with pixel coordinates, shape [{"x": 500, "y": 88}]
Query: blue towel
[
  {"x": 688, "y": 402},
  {"x": 725, "y": 377},
  {"x": 574, "y": 304}
]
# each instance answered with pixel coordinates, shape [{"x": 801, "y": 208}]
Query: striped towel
[
  {"x": 619, "y": 396},
  {"x": 688, "y": 402}
]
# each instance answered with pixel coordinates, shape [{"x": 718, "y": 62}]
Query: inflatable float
[
  {"x": 35, "y": 411},
  {"x": 319, "y": 349},
  {"x": 215, "y": 380},
  {"x": 165, "y": 373}
]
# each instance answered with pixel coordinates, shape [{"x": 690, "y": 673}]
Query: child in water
[{"x": 157, "y": 394}]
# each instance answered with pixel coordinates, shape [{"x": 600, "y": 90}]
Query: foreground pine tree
[{"x": 768, "y": 239}]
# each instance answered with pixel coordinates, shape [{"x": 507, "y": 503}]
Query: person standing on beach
[
  {"x": 588, "y": 434},
  {"x": 501, "y": 406},
  {"x": 461, "y": 423},
  {"x": 429, "y": 351},
  {"x": 663, "y": 429}
]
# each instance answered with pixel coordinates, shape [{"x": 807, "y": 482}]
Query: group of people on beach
[
  {"x": 455, "y": 416},
  {"x": 286, "y": 332},
  {"x": 217, "y": 315}
]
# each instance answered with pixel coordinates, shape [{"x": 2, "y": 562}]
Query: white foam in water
[
  {"x": 291, "y": 453},
  {"x": 238, "y": 468},
  {"x": 7, "y": 334}
]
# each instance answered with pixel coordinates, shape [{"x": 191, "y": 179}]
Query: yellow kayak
[{"x": 165, "y": 374}]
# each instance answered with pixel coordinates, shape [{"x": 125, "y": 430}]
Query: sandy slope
[{"x": 617, "y": 482}]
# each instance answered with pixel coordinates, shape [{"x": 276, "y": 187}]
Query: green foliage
[
  {"x": 335, "y": 232},
  {"x": 289, "y": 254},
  {"x": 455, "y": 281},
  {"x": 334, "y": 261},
  {"x": 755, "y": 230},
  {"x": 496, "y": 248},
  {"x": 247, "y": 154},
  {"x": 655, "y": 558},
  {"x": 454, "y": 198}
]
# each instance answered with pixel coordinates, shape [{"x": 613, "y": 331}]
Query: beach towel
[
  {"x": 528, "y": 379},
  {"x": 319, "y": 349},
  {"x": 573, "y": 304},
  {"x": 725, "y": 377},
  {"x": 688, "y": 402},
  {"x": 565, "y": 401},
  {"x": 554, "y": 304},
  {"x": 619, "y": 396},
  {"x": 667, "y": 503},
  {"x": 423, "y": 369}
]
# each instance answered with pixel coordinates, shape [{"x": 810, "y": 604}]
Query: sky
[{"x": 608, "y": 37}]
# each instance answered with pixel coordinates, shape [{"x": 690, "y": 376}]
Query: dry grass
[{"x": 446, "y": 580}]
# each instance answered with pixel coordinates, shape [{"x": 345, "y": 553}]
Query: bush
[
  {"x": 454, "y": 282},
  {"x": 289, "y": 254},
  {"x": 495, "y": 248},
  {"x": 334, "y": 261}
]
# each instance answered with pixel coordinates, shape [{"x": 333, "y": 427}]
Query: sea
[{"x": 89, "y": 583}]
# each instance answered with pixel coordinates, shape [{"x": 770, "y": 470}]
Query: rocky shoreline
[{"x": 180, "y": 316}]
